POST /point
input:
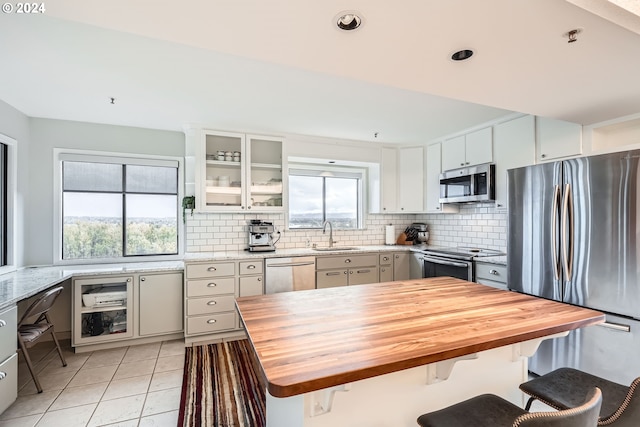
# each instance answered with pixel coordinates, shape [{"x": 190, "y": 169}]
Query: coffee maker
[{"x": 260, "y": 236}]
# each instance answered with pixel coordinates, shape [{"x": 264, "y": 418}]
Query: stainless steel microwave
[{"x": 470, "y": 184}]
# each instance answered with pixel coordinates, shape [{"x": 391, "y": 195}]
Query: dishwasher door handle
[{"x": 291, "y": 264}]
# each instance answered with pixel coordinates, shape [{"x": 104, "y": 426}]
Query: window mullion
[{"x": 124, "y": 211}]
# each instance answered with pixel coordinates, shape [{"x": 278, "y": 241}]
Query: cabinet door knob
[
  {"x": 385, "y": 258},
  {"x": 2, "y": 323},
  {"x": 494, "y": 272},
  {"x": 211, "y": 321},
  {"x": 397, "y": 256},
  {"x": 543, "y": 156},
  {"x": 128, "y": 279},
  {"x": 3, "y": 375},
  {"x": 142, "y": 279},
  {"x": 211, "y": 285},
  {"x": 259, "y": 279},
  {"x": 347, "y": 260},
  {"x": 461, "y": 164},
  {"x": 211, "y": 269}
]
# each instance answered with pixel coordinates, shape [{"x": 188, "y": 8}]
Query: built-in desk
[{"x": 381, "y": 354}]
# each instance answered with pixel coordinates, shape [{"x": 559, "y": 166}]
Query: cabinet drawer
[
  {"x": 386, "y": 259},
  {"x": 493, "y": 284},
  {"x": 251, "y": 267},
  {"x": 201, "y": 288},
  {"x": 352, "y": 261},
  {"x": 211, "y": 323},
  {"x": 331, "y": 279},
  {"x": 213, "y": 269},
  {"x": 8, "y": 331},
  {"x": 494, "y": 272},
  {"x": 8, "y": 381},
  {"x": 217, "y": 304}
]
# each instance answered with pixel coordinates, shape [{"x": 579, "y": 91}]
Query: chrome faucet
[{"x": 324, "y": 229}]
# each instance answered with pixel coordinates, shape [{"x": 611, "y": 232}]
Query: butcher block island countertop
[{"x": 312, "y": 340}]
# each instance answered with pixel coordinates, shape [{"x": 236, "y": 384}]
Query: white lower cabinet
[
  {"x": 8, "y": 357},
  {"x": 386, "y": 267},
  {"x": 115, "y": 310},
  {"x": 211, "y": 289},
  {"x": 491, "y": 274},
  {"x": 158, "y": 308},
  {"x": 401, "y": 266}
]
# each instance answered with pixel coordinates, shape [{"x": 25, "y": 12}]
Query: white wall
[
  {"x": 14, "y": 124},
  {"x": 47, "y": 134}
]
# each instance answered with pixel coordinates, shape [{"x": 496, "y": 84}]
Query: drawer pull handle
[
  {"x": 2, "y": 323},
  {"x": 211, "y": 285},
  {"x": 3, "y": 375},
  {"x": 211, "y": 303},
  {"x": 347, "y": 260},
  {"x": 363, "y": 271},
  {"x": 211, "y": 269},
  {"x": 250, "y": 267},
  {"x": 333, "y": 273},
  {"x": 211, "y": 321},
  {"x": 494, "y": 272}
]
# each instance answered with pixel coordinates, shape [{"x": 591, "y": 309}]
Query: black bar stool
[
  {"x": 488, "y": 410},
  {"x": 30, "y": 333},
  {"x": 564, "y": 388}
]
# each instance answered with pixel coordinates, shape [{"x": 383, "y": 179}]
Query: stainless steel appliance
[
  {"x": 470, "y": 184},
  {"x": 573, "y": 236},
  {"x": 454, "y": 262},
  {"x": 260, "y": 236},
  {"x": 290, "y": 274},
  {"x": 422, "y": 233}
]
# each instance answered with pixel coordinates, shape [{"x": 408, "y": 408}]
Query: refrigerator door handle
[
  {"x": 554, "y": 232},
  {"x": 567, "y": 242},
  {"x": 615, "y": 326}
]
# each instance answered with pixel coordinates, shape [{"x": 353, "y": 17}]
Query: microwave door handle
[
  {"x": 446, "y": 262},
  {"x": 554, "y": 232}
]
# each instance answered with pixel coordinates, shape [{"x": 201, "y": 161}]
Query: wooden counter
[{"x": 312, "y": 340}]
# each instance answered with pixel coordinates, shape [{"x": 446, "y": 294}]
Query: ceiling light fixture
[
  {"x": 572, "y": 35},
  {"x": 462, "y": 55},
  {"x": 348, "y": 20}
]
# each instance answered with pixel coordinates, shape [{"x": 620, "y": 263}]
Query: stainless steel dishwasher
[{"x": 290, "y": 274}]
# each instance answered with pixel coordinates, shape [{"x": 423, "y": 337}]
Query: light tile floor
[{"x": 128, "y": 386}]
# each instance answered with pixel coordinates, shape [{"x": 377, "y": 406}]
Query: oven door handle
[{"x": 446, "y": 262}]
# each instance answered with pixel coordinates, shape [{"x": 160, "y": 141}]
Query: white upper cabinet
[
  {"x": 514, "y": 147},
  {"x": 556, "y": 139},
  {"x": 240, "y": 172},
  {"x": 433, "y": 171},
  {"x": 402, "y": 180},
  {"x": 473, "y": 148}
]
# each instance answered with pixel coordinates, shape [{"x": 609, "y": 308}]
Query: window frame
[
  {"x": 11, "y": 177},
  {"x": 320, "y": 170},
  {"x": 61, "y": 155}
]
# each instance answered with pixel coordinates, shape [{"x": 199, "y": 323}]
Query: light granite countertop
[
  {"x": 26, "y": 282},
  {"x": 29, "y": 281}
]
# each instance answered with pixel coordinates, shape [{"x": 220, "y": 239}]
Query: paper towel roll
[{"x": 389, "y": 235}]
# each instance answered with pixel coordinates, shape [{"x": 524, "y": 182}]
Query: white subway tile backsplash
[{"x": 477, "y": 225}]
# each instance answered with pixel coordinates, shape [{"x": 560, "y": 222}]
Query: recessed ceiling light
[
  {"x": 461, "y": 55},
  {"x": 348, "y": 20}
]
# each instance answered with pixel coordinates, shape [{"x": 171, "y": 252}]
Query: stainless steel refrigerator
[{"x": 573, "y": 237}]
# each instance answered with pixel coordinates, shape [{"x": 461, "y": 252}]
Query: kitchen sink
[{"x": 335, "y": 248}]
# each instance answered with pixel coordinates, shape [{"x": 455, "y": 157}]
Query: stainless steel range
[{"x": 454, "y": 262}]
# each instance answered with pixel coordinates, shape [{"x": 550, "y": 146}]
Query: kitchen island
[{"x": 382, "y": 354}]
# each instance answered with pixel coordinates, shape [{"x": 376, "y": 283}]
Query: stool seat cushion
[
  {"x": 483, "y": 410},
  {"x": 31, "y": 332},
  {"x": 567, "y": 388}
]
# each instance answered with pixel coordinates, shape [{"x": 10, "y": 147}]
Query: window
[
  {"x": 319, "y": 195},
  {"x": 114, "y": 208},
  {"x": 4, "y": 210}
]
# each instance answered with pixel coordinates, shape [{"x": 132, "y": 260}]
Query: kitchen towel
[{"x": 389, "y": 235}]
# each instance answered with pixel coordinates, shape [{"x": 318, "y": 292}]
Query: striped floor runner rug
[{"x": 222, "y": 387}]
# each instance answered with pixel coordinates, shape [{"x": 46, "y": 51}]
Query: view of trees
[{"x": 85, "y": 238}]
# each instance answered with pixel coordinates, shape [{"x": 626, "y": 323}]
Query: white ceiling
[{"x": 281, "y": 66}]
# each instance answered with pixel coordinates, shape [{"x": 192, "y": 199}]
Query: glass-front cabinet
[
  {"x": 104, "y": 309},
  {"x": 241, "y": 172}
]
